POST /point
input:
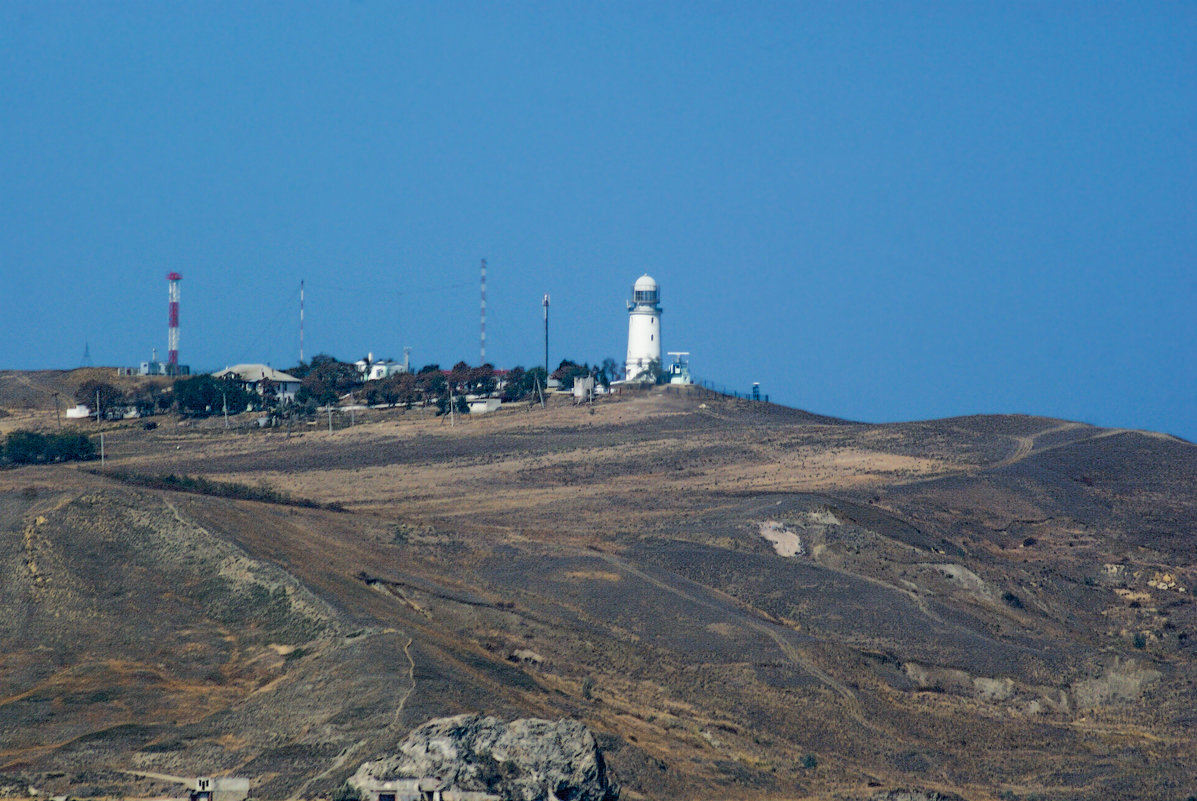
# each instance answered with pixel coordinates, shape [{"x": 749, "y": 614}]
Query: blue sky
[{"x": 882, "y": 211}]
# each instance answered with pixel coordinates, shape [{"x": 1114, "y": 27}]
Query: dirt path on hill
[
  {"x": 770, "y": 630},
  {"x": 1025, "y": 445}
]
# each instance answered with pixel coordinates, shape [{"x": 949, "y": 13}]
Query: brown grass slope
[{"x": 979, "y": 605}]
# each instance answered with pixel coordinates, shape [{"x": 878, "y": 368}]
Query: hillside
[{"x": 743, "y": 600}]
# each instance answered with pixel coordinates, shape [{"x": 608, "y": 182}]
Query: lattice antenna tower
[{"x": 482, "y": 346}]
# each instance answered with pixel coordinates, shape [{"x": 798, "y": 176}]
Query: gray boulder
[
  {"x": 914, "y": 795},
  {"x": 524, "y": 760}
]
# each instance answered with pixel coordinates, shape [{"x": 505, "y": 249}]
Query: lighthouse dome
[{"x": 645, "y": 291}]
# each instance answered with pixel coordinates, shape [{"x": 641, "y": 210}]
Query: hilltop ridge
[{"x": 738, "y": 598}]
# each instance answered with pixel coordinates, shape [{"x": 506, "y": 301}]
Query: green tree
[
  {"x": 568, "y": 370},
  {"x": 513, "y": 384},
  {"x": 25, "y": 447},
  {"x": 392, "y": 390},
  {"x": 431, "y": 383},
  {"x": 521, "y": 384},
  {"x": 197, "y": 395},
  {"x": 201, "y": 395},
  {"x": 481, "y": 380},
  {"x": 608, "y": 371},
  {"x": 459, "y": 378},
  {"x": 69, "y": 447},
  {"x": 327, "y": 380},
  {"x": 108, "y": 396},
  {"x": 148, "y": 399},
  {"x": 535, "y": 377},
  {"x": 460, "y": 405},
  {"x": 28, "y": 447}
]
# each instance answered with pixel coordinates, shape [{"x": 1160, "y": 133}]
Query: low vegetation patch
[
  {"x": 224, "y": 489},
  {"x": 33, "y": 447}
]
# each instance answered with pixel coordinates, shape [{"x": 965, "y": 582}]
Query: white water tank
[{"x": 644, "y": 329}]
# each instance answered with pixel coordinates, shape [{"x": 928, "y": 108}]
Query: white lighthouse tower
[{"x": 644, "y": 329}]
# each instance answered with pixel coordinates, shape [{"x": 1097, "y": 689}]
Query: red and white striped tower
[{"x": 172, "y": 337}]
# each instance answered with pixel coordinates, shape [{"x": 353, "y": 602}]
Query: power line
[
  {"x": 373, "y": 291},
  {"x": 272, "y": 326}
]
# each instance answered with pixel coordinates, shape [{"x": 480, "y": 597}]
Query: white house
[
  {"x": 371, "y": 370},
  {"x": 254, "y": 376}
]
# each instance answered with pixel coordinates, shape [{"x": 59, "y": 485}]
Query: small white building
[
  {"x": 483, "y": 405},
  {"x": 374, "y": 370},
  {"x": 224, "y": 788},
  {"x": 255, "y": 378},
  {"x": 679, "y": 370},
  {"x": 644, "y": 329},
  {"x": 79, "y": 412},
  {"x": 583, "y": 389}
]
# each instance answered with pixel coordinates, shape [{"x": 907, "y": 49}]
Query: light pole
[{"x": 546, "y": 339}]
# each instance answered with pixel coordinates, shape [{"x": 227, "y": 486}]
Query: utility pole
[
  {"x": 57, "y": 412},
  {"x": 330, "y": 419},
  {"x": 224, "y": 396},
  {"x": 98, "y": 412},
  {"x": 539, "y": 392},
  {"x": 101, "y": 449},
  {"x": 546, "y": 338}
]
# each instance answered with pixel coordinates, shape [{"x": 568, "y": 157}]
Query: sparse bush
[
  {"x": 223, "y": 489},
  {"x": 588, "y": 688},
  {"x": 164, "y": 747},
  {"x": 1140, "y": 640},
  {"x": 810, "y": 762}
]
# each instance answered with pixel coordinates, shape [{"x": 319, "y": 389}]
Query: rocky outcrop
[
  {"x": 914, "y": 795},
  {"x": 524, "y": 760}
]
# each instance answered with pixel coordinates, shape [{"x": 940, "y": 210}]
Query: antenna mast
[
  {"x": 482, "y": 349},
  {"x": 172, "y": 332},
  {"x": 301, "y": 321},
  {"x": 546, "y": 338}
]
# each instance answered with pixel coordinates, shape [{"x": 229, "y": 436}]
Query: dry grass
[{"x": 623, "y": 547}]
